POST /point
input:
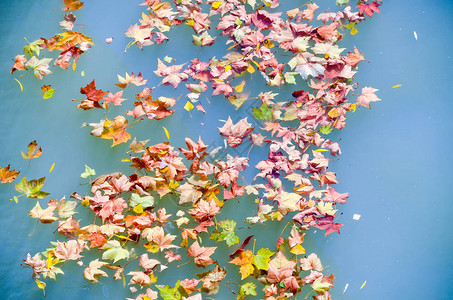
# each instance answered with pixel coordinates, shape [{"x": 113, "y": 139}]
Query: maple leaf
[
  {"x": 353, "y": 58},
  {"x": 93, "y": 271},
  {"x": 69, "y": 226},
  {"x": 33, "y": 151},
  {"x": 236, "y": 133},
  {"x": 194, "y": 150},
  {"x": 264, "y": 112},
  {"x": 246, "y": 289},
  {"x": 326, "y": 223},
  {"x": 136, "y": 80},
  {"x": 332, "y": 195},
  {"x": 171, "y": 74},
  {"x": 212, "y": 279},
  {"x": 201, "y": 255},
  {"x": 369, "y": 8},
  {"x": 72, "y": 37},
  {"x": 44, "y": 215},
  {"x": 204, "y": 210},
  {"x": 40, "y": 66},
  {"x": 69, "y": 250},
  {"x": 221, "y": 87},
  {"x": 310, "y": 69},
  {"x": 367, "y": 96},
  {"x": 158, "y": 239},
  {"x": 115, "y": 99},
  {"x": 236, "y": 190},
  {"x": 32, "y": 188},
  {"x": 116, "y": 130},
  {"x": 114, "y": 251},
  {"x": 203, "y": 40},
  {"x": 245, "y": 261},
  {"x": 72, "y": 5},
  {"x": 147, "y": 263},
  {"x": 189, "y": 193},
  {"x": 261, "y": 259},
  {"x": 92, "y": 93},
  {"x": 139, "y": 277},
  {"x": 19, "y": 63},
  {"x": 47, "y": 91},
  {"x": 280, "y": 268},
  {"x": 312, "y": 262},
  {"x": 227, "y": 234},
  {"x": 308, "y": 13},
  {"x": 7, "y": 175}
]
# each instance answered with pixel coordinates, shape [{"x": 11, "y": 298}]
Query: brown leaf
[
  {"x": 33, "y": 151},
  {"x": 7, "y": 175}
]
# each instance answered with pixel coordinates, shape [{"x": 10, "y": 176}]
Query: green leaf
[
  {"x": 169, "y": 293},
  {"x": 88, "y": 172},
  {"x": 32, "y": 188},
  {"x": 261, "y": 259},
  {"x": 264, "y": 112},
  {"x": 227, "y": 234},
  {"x": 290, "y": 77},
  {"x": 326, "y": 129},
  {"x": 33, "y": 47},
  {"x": 342, "y": 2},
  {"x": 114, "y": 251},
  {"x": 246, "y": 289},
  {"x": 321, "y": 287},
  {"x": 145, "y": 201}
]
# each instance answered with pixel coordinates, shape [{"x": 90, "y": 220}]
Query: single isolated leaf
[
  {"x": 88, "y": 172},
  {"x": 72, "y": 5},
  {"x": 7, "y": 175},
  {"x": 32, "y": 188},
  {"x": 47, "y": 91},
  {"x": 367, "y": 97},
  {"x": 33, "y": 151}
]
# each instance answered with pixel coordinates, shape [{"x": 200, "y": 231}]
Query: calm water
[{"x": 395, "y": 163}]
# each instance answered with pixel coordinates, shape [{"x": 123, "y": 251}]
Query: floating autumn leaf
[
  {"x": 201, "y": 255},
  {"x": 69, "y": 250},
  {"x": 73, "y": 37},
  {"x": 247, "y": 289},
  {"x": 32, "y": 188},
  {"x": 157, "y": 239},
  {"x": 33, "y": 151},
  {"x": 114, "y": 98},
  {"x": 369, "y": 8},
  {"x": 72, "y": 5},
  {"x": 40, "y": 66},
  {"x": 212, "y": 279},
  {"x": 44, "y": 215},
  {"x": 172, "y": 74},
  {"x": 93, "y": 96},
  {"x": 93, "y": 271},
  {"x": 88, "y": 172},
  {"x": 19, "y": 63},
  {"x": 115, "y": 130},
  {"x": 227, "y": 234},
  {"x": 47, "y": 91},
  {"x": 367, "y": 96},
  {"x": 235, "y": 133},
  {"x": 136, "y": 80},
  {"x": 114, "y": 251},
  {"x": 7, "y": 175},
  {"x": 245, "y": 261},
  {"x": 312, "y": 262}
]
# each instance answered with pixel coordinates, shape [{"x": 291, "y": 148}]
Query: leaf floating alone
[
  {"x": 189, "y": 106},
  {"x": 415, "y": 35},
  {"x": 33, "y": 151},
  {"x": 166, "y": 132},
  {"x": 47, "y": 91},
  {"x": 32, "y": 188},
  {"x": 72, "y": 5},
  {"x": 363, "y": 284},
  {"x": 20, "y": 84},
  {"x": 7, "y": 175},
  {"x": 88, "y": 172},
  {"x": 396, "y": 86},
  {"x": 51, "y": 168}
]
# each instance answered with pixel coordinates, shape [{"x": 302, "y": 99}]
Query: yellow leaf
[
  {"x": 173, "y": 184},
  {"x": 125, "y": 159},
  {"x": 256, "y": 64},
  {"x": 298, "y": 249},
  {"x": 250, "y": 69},
  {"x": 41, "y": 285},
  {"x": 152, "y": 247},
  {"x": 363, "y": 284},
  {"x": 240, "y": 87},
  {"x": 124, "y": 279},
  {"x": 49, "y": 261},
  {"x": 166, "y": 131},
  {"x": 20, "y": 84},
  {"x": 216, "y": 4},
  {"x": 353, "y": 106},
  {"x": 353, "y": 31},
  {"x": 321, "y": 150},
  {"x": 190, "y": 22},
  {"x": 227, "y": 68},
  {"x": 74, "y": 66},
  {"x": 333, "y": 113},
  {"x": 395, "y": 86},
  {"x": 258, "y": 47},
  {"x": 82, "y": 73},
  {"x": 138, "y": 209},
  {"x": 51, "y": 168},
  {"x": 153, "y": 279},
  {"x": 86, "y": 201},
  {"x": 157, "y": 7},
  {"x": 268, "y": 43},
  {"x": 124, "y": 237},
  {"x": 189, "y": 106}
]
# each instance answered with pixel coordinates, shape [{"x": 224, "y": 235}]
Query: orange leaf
[
  {"x": 7, "y": 175},
  {"x": 245, "y": 260},
  {"x": 33, "y": 151},
  {"x": 72, "y": 5}
]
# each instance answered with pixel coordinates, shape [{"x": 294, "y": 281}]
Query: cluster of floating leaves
[{"x": 293, "y": 182}]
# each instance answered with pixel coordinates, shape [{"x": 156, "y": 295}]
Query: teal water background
[{"x": 396, "y": 160}]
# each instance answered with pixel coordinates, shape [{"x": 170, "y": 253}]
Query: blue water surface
[{"x": 395, "y": 162}]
